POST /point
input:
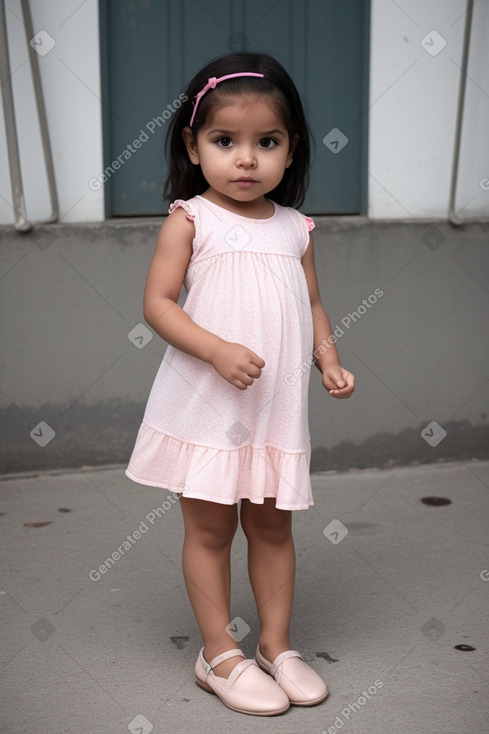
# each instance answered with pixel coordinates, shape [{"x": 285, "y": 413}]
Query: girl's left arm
[{"x": 338, "y": 382}]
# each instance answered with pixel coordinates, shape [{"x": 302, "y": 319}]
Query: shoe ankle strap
[{"x": 219, "y": 658}]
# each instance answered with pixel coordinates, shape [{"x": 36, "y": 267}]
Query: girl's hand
[
  {"x": 237, "y": 364},
  {"x": 338, "y": 382}
]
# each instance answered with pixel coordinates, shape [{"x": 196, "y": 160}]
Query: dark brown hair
[{"x": 185, "y": 179}]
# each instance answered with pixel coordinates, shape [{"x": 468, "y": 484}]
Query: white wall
[
  {"x": 413, "y": 108},
  {"x": 413, "y": 102},
  {"x": 70, "y": 75}
]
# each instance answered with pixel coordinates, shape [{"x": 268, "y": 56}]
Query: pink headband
[{"x": 211, "y": 84}]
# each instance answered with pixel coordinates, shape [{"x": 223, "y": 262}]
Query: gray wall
[{"x": 72, "y": 293}]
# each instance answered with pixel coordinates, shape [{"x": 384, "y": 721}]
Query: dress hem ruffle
[{"x": 162, "y": 460}]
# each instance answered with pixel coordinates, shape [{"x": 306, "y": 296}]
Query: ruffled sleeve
[
  {"x": 185, "y": 205},
  {"x": 306, "y": 225}
]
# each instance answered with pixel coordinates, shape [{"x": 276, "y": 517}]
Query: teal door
[{"x": 150, "y": 49}]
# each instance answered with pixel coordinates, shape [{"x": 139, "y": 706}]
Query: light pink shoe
[
  {"x": 248, "y": 689},
  {"x": 303, "y": 686}
]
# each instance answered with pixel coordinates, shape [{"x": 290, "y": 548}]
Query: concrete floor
[{"x": 378, "y": 612}]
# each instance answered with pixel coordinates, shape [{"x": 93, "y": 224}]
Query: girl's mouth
[{"x": 245, "y": 183}]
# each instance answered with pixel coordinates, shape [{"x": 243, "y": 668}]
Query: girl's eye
[
  {"x": 267, "y": 142},
  {"x": 224, "y": 142}
]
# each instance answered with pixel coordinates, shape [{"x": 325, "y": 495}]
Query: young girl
[{"x": 227, "y": 416}]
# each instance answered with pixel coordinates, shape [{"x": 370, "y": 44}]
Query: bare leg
[
  {"x": 209, "y": 532},
  {"x": 271, "y": 568}
]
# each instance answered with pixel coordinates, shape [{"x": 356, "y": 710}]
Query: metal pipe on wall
[
  {"x": 460, "y": 111},
  {"x": 21, "y": 221}
]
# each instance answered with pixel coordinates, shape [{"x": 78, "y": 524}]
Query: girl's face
[{"x": 243, "y": 150}]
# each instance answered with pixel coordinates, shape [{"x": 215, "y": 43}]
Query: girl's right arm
[
  {"x": 166, "y": 274},
  {"x": 235, "y": 362}
]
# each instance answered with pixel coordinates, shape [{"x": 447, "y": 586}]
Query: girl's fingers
[
  {"x": 341, "y": 392},
  {"x": 335, "y": 394}
]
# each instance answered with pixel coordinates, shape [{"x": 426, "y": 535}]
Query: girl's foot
[
  {"x": 248, "y": 689},
  {"x": 303, "y": 686}
]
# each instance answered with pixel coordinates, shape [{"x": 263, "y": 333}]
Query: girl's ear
[
  {"x": 191, "y": 145},
  {"x": 293, "y": 144}
]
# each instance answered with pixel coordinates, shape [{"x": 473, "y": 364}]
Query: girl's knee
[
  {"x": 217, "y": 535},
  {"x": 266, "y": 521},
  {"x": 210, "y": 524}
]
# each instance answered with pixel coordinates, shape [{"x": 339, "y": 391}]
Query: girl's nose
[{"x": 246, "y": 158}]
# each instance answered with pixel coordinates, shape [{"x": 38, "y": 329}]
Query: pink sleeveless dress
[{"x": 202, "y": 436}]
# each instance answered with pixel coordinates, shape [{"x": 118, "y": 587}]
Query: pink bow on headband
[{"x": 211, "y": 84}]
